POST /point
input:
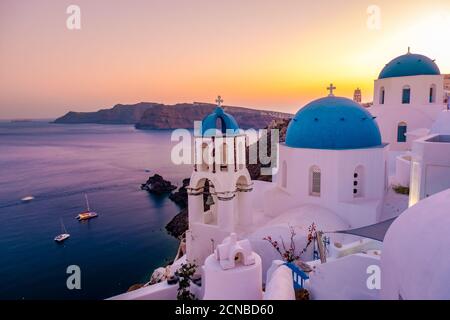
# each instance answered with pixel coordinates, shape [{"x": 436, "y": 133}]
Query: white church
[
  {"x": 408, "y": 97},
  {"x": 336, "y": 188}
]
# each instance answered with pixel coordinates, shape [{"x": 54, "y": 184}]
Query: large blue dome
[
  {"x": 333, "y": 123},
  {"x": 227, "y": 122},
  {"x": 409, "y": 65}
]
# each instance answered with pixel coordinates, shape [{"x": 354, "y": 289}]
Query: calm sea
[{"x": 58, "y": 163}]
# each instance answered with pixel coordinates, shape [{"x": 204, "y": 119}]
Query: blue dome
[
  {"x": 333, "y": 123},
  {"x": 209, "y": 123},
  {"x": 409, "y": 65}
]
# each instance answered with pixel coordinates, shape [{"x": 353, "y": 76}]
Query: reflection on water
[{"x": 58, "y": 163}]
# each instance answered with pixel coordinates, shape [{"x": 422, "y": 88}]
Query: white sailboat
[
  {"x": 27, "y": 199},
  {"x": 64, "y": 235},
  {"x": 88, "y": 214}
]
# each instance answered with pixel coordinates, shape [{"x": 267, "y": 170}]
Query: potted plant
[{"x": 290, "y": 254}]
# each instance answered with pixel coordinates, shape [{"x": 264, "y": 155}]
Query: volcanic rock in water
[
  {"x": 151, "y": 115},
  {"x": 180, "y": 197},
  {"x": 157, "y": 185},
  {"x": 179, "y": 224}
]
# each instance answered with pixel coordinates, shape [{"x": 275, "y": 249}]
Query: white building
[
  {"x": 447, "y": 82},
  {"x": 408, "y": 95},
  {"x": 333, "y": 172},
  {"x": 333, "y": 158},
  {"x": 220, "y": 175},
  {"x": 427, "y": 164},
  {"x": 430, "y": 161},
  {"x": 233, "y": 272},
  {"x": 415, "y": 262}
]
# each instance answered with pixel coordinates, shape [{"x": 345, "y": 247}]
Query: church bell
[{"x": 209, "y": 200}]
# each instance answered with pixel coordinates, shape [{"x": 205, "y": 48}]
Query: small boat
[
  {"x": 64, "y": 235},
  {"x": 88, "y": 214},
  {"x": 27, "y": 199}
]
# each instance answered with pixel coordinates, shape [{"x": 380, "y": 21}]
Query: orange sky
[{"x": 256, "y": 53}]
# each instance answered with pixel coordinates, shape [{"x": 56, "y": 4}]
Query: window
[
  {"x": 406, "y": 95},
  {"x": 401, "y": 132},
  {"x": 358, "y": 182},
  {"x": 432, "y": 97},
  {"x": 284, "y": 175},
  {"x": 315, "y": 177},
  {"x": 382, "y": 94}
]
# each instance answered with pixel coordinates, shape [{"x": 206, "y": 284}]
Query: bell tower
[
  {"x": 357, "y": 97},
  {"x": 218, "y": 194}
]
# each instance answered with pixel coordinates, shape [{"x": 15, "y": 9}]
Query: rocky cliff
[
  {"x": 147, "y": 115},
  {"x": 184, "y": 115},
  {"x": 119, "y": 114}
]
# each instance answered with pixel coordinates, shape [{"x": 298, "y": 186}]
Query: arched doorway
[
  {"x": 206, "y": 200},
  {"x": 402, "y": 128}
]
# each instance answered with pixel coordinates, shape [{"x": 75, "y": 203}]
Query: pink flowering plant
[{"x": 290, "y": 254}]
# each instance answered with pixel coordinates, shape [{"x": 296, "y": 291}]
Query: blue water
[{"x": 57, "y": 164}]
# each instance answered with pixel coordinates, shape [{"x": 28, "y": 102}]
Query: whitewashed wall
[
  {"x": 419, "y": 113},
  {"x": 337, "y": 169}
]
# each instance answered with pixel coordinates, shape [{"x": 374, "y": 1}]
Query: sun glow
[
  {"x": 257, "y": 54},
  {"x": 428, "y": 33}
]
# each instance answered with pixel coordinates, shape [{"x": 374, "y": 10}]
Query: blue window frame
[
  {"x": 406, "y": 95},
  {"x": 401, "y": 132},
  {"x": 432, "y": 98}
]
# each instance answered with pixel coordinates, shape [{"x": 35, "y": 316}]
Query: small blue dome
[
  {"x": 209, "y": 123},
  {"x": 333, "y": 123},
  {"x": 409, "y": 65}
]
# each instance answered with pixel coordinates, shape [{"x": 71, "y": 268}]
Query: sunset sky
[{"x": 255, "y": 53}]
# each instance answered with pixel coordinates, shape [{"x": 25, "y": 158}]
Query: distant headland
[{"x": 149, "y": 115}]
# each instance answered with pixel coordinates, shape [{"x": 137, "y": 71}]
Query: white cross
[
  {"x": 331, "y": 88},
  {"x": 219, "y": 101}
]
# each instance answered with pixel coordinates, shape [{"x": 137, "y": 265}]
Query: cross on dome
[
  {"x": 331, "y": 88},
  {"x": 219, "y": 101}
]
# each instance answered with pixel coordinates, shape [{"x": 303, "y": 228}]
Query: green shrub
[
  {"x": 185, "y": 273},
  {"x": 401, "y": 189}
]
